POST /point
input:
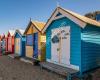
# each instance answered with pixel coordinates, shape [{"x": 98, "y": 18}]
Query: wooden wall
[
  {"x": 41, "y": 49},
  {"x": 29, "y": 51},
  {"x": 17, "y": 45}
]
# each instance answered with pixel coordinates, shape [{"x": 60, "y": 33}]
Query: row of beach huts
[{"x": 67, "y": 43}]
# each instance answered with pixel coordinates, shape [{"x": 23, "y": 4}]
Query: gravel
[{"x": 13, "y": 69}]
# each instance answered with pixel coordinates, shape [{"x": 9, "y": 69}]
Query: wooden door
[
  {"x": 17, "y": 46},
  {"x": 35, "y": 45},
  {"x": 65, "y": 45},
  {"x": 55, "y": 46},
  {"x": 60, "y": 45}
]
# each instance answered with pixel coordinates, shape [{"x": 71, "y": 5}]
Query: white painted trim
[
  {"x": 58, "y": 17},
  {"x": 73, "y": 18},
  {"x": 26, "y": 61},
  {"x": 69, "y": 66},
  {"x": 49, "y": 22},
  {"x": 18, "y": 33}
]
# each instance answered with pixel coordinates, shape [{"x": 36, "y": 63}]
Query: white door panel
[
  {"x": 65, "y": 45},
  {"x": 54, "y": 47},
  {"x": 55, "y": 54},
  {"x": 61, "y": 51}
]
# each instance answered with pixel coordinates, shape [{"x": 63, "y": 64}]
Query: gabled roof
[
  {"x": 12, "y": 32},
  {"x": 20, "y": 31},
  {"x": 3, "y": 36},
  {"x": 38, "y": 25},
  {"x": 77, "y": 18}
]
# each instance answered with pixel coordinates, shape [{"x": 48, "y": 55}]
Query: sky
[{"x": 16, "y": 14}]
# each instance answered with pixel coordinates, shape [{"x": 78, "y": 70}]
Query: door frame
[{"x": 69, "y": 65}]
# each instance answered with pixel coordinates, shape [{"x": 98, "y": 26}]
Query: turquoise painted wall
[
  {"x": 84, "y": 44},
  {"x": 17, "y": 35},
  {"x": 75, "y": 34},
  {"x": 90, "y": 47}
]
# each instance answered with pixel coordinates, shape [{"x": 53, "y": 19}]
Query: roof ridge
[
  {"x": 35, "y": 23},
  {"x": 79, "y": 15},
  {"x": 21, "y": 31},
  {"x": 38, "y": 21}
]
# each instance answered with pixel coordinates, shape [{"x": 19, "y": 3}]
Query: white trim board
[
  {"x": 69, "y": 66},
  {"x": 66, "y": 14},
  {"x": 58, "y": 17},
  {"x": 74, "y": 19}
]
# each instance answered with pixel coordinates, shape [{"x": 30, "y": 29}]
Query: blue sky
[{"x": 16, "y": 13}]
